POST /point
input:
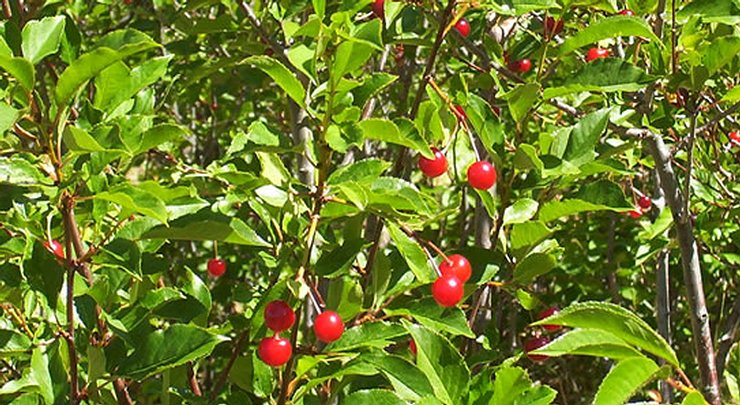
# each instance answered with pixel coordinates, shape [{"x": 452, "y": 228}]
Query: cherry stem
[
  {"x": 423, "y": 241},
  {"x": 215, "y": 249}
]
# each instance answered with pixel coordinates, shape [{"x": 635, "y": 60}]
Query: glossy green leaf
[
  {"x": 412, "y": 253},
  {"x": 585, "y": 135},
  {"x": 533, "y": 266},
  {"x": 602, "y": 75},
  {"x": 8, "y": 116},
  {"x": 20, "y": 172},
  {"x": 41, "y": 38},
  {"x": 372, "y": 85},
  {"x": 13, "y": 343},
  {"x": 387, "y": 131},
  {"x": 78, "y": 140},
  {"x": 521, "y": 99},
  {"x": 428, "y": 313},
  {"x": 374, "y": 397},
  {"x": 528, "y": 234},
  {"x": 338, "y": 260},
  {"x": 521, "y": 211},
  {"x": 160, "y": 134},
  {"x": 694, "y": 398},
  {"x": 369, "y": 334},
  {"x": 363, "y": 171},
  {"x": 719, "y": 52},
  {"x": 624, "y": 380},
  {"x": 117, "y": 83},
  {"x": 136, "y": 200},
  {"x": 206, "y": 225},
  {"x": 512, "y": 386},
  {"x": 609, "y": 27},
  {"x": 165, "y": 349},
  {"x": 440, "y": 361},
  {"x": 21, "y": 69},
  {"x": 408, "y": 382},
  {"x": 282, "y": 77},
  {"x": 589, "y": 342},
  {"x": 617, "y": 321},
  {"x": 726, "y": 12}
]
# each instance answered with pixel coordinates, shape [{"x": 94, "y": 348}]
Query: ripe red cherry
[
  {"x": 597, "y": 53},
  {"x": 275, "y": 351},
  {"x": 534, "y": 344},
  {"x": 645, "y": 202},
  {"x": 553, "y": 27},
  {"x": 216, "y": 267},
  {"x": 635, "y": 213},
  {"x": 457, "y": 266},
  {"x": 463, "y": 27},
  {"x": 481, "y": 175},
  {"x": 734, "y": 137},
  {"x": 520, "y": 66},
  {"x": 55, "y": 247},
  {"x": 546, "y": 313},
  {"x": 279, "y": 316},
  {"x": 328, "y": 326},
  {"x": 627, "y": 12},
  {"x": 447, "y": 291},
  {"x": 412, "y": 346},
  {"x": 378, "y": 8},
  {"x": 433, "y": 167}
]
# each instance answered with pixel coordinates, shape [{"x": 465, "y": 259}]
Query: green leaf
[
  {"x": 387, "y": 131},
  {"x": 589, "y": 342},
  {"x": 521, "y": 99},
  {"x": 117, "y": 83},
  {"x": 369, "y": 334},
  {"x": 13, "y": 343},
  {"x": 399, "y": 195},
  {"x": 558, "y": 209},
  {"x": 719, "y": 52},
  {"x": 92, "y": 63},
  {"x": 19, "y": 68},
  {"x": 8, "y": 116},
  {"x": 41, "y": 38},
  {"x": 372, "y": 85},
  {"x": 363, "y": 171},
  {"x": 337, "y": 261},
  {"x": 733, "y": 95},
  {"x": 412, "y": 253},
  {"x": 428, "y": 313},
  {"x": 512, "y": 386},
  {"x": 585, "y": 135},
  {"x": 521, "y": 211},
  {"x": 408, "y": 382},
  {"x": 617, "y": 321},
  {"x": 726, "y": 12},
  {"x": 624, "y": 380},
  {"x": 78, "y": 140},
  {"x": 20, "y": 172},
  {"x": 165, "y": 349},
  {"x": 440, "y": 361},
  {"x": 528, "y": 234},
  {"x": 602, "y": 75},
  {"x": 606, "y": 193},
  {"x": 136, "y": 200},
  {"x": 533, "y": 266},
  {"x": 609, "y": 27},
  {"x": 694, "y": 398},
  {"x": 374, "y": 397},
  {"x": 282, "y": 77},
  {"x": 160, "y": 134},
  {"x": 207, "y": 225}
]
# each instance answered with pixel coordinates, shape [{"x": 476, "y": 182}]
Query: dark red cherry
[
  {"x": 645, "y": 202},
  {"x": 275, "y": 351},
  {"x": 55, "y": 247},
  {"x": 279, "y": 316},
  {"x": 534, "y": 344},
  {"x": 546, "y": 314},
  {"x": 216, "y": 267},
  {"x": 433, "y": 167},
  {"x": 463, "y": 27}
]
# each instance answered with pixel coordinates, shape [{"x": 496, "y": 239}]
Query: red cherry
[
  {"x": 328, "y": 326},
  {"x": 520, "y": 66},
  {"x": 627, "y": 12},
  {"x": 645, "y": 202},
  {"x": 635, "y": 213},
  {"x": 460, "y": 113},
  {"x": 481, "y": 175},
  {"x": 412, "y": 346},
  {"x": 216, "y": 267},
  {"x": 734, "y": 137},
  {"x": 553, "y": 27},
  {"x": 546, "y": 314},
  {"x": 597, "y": 53},
  {"x": 457, "y": 266},
  {"x": 534, "y": 344},
  {"x": 433, "y": 167},
  {"x": 378, "y": 9},
  {"x": 275, "y": 351},
  {"x": 447, "y": 291},
  {"x": 279, "y": 316},
  {"x": 55, "y": 247},
  {"x": 463, "y": 27}
]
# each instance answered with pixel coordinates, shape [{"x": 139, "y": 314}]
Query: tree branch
[
  {"x": 225, "y": 372},
  {"x": 727, "y": 338}
]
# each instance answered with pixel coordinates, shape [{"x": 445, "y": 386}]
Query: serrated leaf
[
  {"x": 21, "y": 69},
  {"x": 408, "y": 382},
  {"x": 609, "y": 27},
  {"x": 589, "y": 342},
  {"x": 374, "y": 397},
  {"x": 602, "y": 75},
  {"x": 13, "y": 343},
  {"x": 281, "y": 75},
  {"x": 206, "y": 225},
  {"x": 41, "y": 38},
  {"x": 363, "y": 171},
  {"x": 512, "y": 386},
  {"x": 387, "y": 131},
  {"x": 20, "y": 172},
  {"x": 78, "y": 140},
  {"x": 8, "y": 116},
  {"x": 428, "y": 313},
  {"x": 617, "y": 321},
  {"x": 533, "y": 266},
  {"x": 584, "y": 137},
  {"x": 368, "y": 334},
  {"x": 624, "y": 380},
  {"x": 521, "y": 99}
]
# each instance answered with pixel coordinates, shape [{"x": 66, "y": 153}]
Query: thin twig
[{"x": 243, "y": 337}]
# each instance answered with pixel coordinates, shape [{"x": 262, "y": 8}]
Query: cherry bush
[{"x": 369, "y": 202}]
